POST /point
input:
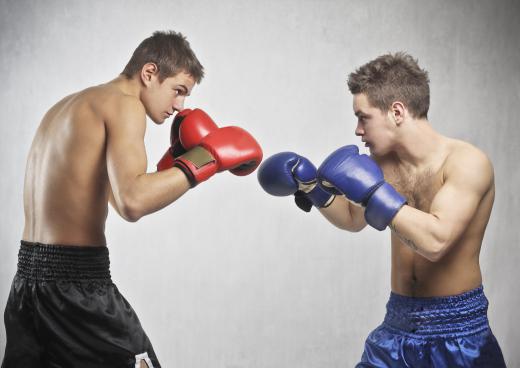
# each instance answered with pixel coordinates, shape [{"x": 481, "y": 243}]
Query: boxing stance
[
  {"x": 63, "y": 309},
  {"x": 434, "y": 193}
]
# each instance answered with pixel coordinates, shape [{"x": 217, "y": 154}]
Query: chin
[
  {"x": 157, "y": 121},
  {"x": 374, "y": 152},
  {"x": 379, "y": 153}
]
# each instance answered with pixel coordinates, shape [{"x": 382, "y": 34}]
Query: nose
[
  {"x": 178, "y": 103},
  {"x": 359, "y": 130}
]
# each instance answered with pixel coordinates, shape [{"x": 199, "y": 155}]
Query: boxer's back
[{"x": 66, "y": 182}]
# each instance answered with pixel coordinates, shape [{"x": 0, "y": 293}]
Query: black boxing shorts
[{"x": 64, "y": 311}]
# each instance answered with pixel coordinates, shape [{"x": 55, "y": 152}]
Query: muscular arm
[
  {"x": 136, "y": 193},
  {"x": 467, "y": 179},
  {"x": 344, "y": 215}
]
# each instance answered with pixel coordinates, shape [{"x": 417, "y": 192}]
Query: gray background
[{"x": 228, "y": 276}]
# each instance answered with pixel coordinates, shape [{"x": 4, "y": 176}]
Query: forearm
[
  {"x": 421, "y": 231},
  {"x": 344, "y": 215},
  {"x": 150, "y": 192}
]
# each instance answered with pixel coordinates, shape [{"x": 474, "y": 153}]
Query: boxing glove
[
  {"x": 195, "y": 125},
  {"x": 361, "y": 180},
  {"x": 288, "y": 173},
  {"x": 228, "y": 148}
]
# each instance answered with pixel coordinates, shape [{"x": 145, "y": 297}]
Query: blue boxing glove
[
  {"x": 361, "y": 180},
  {"x": 287, "y": 173}
]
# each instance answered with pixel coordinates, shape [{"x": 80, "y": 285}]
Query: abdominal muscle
[{"x": 413, "y": 275}]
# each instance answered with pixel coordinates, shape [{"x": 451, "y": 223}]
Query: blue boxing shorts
[
  {"x": 440, "y": 332},
  {"x": 63, "y": 311}
]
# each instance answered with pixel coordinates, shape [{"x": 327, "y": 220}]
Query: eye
[{"x": 179, "y": 92}]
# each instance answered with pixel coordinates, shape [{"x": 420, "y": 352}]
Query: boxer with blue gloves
[{"x": 434, "y": 193}]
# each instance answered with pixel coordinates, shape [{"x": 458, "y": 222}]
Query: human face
[
  {"x": 373, "y": 126},
  {"x": 162, "y": 99}
]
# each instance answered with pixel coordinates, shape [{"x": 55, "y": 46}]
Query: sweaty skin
[
  {"x": 449, "y": 185},
  {"x": 89, "y": 150}
]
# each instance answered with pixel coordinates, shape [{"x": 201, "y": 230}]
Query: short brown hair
[
  {"x": 390, "y": 78},
  {"x": 170, "y": 51}
]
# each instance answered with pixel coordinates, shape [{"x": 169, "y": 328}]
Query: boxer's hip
[
  {"x": 64, "y": 309},
  {"x": 450, "y": 331},
  {"x": 43, "y": 262},
  {"x": 451, "y": 316}
]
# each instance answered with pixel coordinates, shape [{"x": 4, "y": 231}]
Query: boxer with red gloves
[
  {"x": 206, "y": 149},
  {"x": 88, "y": 152}
]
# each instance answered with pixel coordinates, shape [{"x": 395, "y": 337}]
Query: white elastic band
[{"x": 141, "y": 357}]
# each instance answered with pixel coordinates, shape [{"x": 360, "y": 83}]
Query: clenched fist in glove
[
  {"x": 287, "y": 173},
  {"x": 195, "y": 125},
  {"x": 229, "y": 148},
  {"x": 200, "y": 148},
  {"x": 361, "y": 180}
]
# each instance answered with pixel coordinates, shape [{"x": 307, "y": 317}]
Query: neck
[
  {"x": 130, "y": 87},
  {"x": 416, "y": 143}
]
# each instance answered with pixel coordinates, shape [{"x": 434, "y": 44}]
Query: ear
[
  {"x": 149, "y": 71},
  {"x": 397, "y": 112}
]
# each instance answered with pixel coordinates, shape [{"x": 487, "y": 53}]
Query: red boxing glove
[
  {"x": 194, "y": 125},
  {"x": 229, "y": 148}
]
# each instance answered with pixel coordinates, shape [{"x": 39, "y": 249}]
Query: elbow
[
  {"x": 354, "y": 228},
  {"x": 130, "y": 209},
  {"x": 356, "y": 225},
  {"x": 350, "y": 227},
  {"x": 440, "y": 240},
  {"x": 342, "y": 227},
  {"x": 438, "y": 251},
  {"x": 130, "y": 216}
]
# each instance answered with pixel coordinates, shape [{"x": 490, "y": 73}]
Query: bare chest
[{"x": 419, "y": 188}]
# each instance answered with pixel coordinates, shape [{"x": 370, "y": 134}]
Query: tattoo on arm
[{"x": 405, "y": 240}]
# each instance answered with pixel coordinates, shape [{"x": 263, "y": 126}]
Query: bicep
[{"x": 457, "y": 201}]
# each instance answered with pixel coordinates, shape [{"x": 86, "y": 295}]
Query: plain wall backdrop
[{"x": 229, "y": 277}]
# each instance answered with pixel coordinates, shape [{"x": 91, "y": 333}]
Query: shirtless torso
[
  {"x": 436, "y": 202},
  {"x": 66, "y": 181},
  {"x": 459, "y": 269},
  {"x": 89, "y": 151},
  {"x": 436, "y": 208}
]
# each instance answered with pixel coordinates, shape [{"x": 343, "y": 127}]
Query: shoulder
[
  {"x": 113, "y": 105},
  {"x": 127, "y": 103},
  {"x": 468, "y": 164}
]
